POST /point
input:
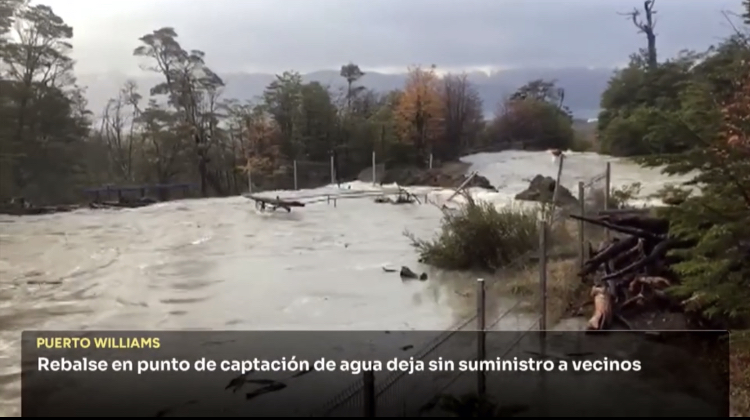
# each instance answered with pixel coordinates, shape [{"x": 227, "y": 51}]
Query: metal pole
[
  {"x": 555, "y": 194},
  {"x": 333, "y": 171},
  {"x": 482, "y": 335},
  {"x": 461, "y": 187},
  {"x": 369, "y": 393},
  {"x": 581, "y": 225},
  {"x": 543, "y": 318},
  {"x": 295, "y": 174},
  {"x": 430, "y": 160},
  {"x": 374, "y": 170},
  {"x": 607, "y": 187},
  {"x": 543, "y": 273},
  {"x": 249, "y": 180}
]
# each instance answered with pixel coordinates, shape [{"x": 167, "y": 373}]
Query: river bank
[
  {"x": 218, "y": 264},
  {"x": 573, "y": 304}
]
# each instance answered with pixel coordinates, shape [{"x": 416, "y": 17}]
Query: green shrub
[
  {"x": 619, "y": 197},
  {"x": 481, "y": 236}
]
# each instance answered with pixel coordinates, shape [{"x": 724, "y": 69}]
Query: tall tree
[
  {"x": 351, "y": 72},
  {"x": 420, "y": 110},
  {"x": 646, "y": 27},
  {"x": 283, "y": 100},
  {"x": 118, "y": 125},
  {"x": 463, "y": 119},
  {"x": 44, "y": 111},
  {"x": 191, "y": 88}
]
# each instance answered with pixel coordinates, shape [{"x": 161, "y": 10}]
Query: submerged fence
[
  {"x": 563, "y": 247},
  {"x": 301, "y": 174}
]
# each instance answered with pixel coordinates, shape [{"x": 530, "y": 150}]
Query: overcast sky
[{"x": 308, "y": 35}]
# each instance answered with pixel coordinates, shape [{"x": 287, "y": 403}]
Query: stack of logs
[{"x": 628, "y": 274}]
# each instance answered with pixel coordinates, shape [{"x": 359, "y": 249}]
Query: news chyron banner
[{"x": 374, "y": 373}]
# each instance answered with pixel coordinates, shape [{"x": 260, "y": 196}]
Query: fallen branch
[
  {"x": 658, "y": 251},
  {"x": 622, "y": 229},
  {"x": 615, "y": 248}
]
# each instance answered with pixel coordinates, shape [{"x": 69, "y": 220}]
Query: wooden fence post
[
  {"x": 295, "y": 175},
  {"x": 607, "y": 187},
  {"x": 543, "y": 272},
  {"x": 581, "y": 225}
]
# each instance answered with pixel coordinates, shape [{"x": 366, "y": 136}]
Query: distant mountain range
[{"x": 583, "y": 86}]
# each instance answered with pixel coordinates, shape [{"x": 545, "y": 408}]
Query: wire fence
[
  {"x": 563, "y": 244},
  {"x": 303, "y": 174}
]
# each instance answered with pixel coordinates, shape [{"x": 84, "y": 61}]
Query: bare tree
[
  {"x": 647, "y": 27},
  {"x": 118, "y": 129},
  {"x": 463, "y": 113}
]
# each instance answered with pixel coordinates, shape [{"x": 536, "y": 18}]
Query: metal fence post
[
  {"x": 249, "y": 180},
  {"x": 369, "y": 393},
  {"x": 543, "y": 272},
  {"x": 482, "y": 335},
  {"x": 581, "y": 226},
  {"x": 333, "y": 171},
  {"x": 295, "y": 174},
  {"x": 607, "y": 187},
  {"x": 374, "y": 169}
]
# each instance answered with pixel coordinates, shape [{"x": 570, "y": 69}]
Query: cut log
[
  {"x": 652, "y": 257},
  {"x": 645, "y": 223},
  {"x": 616, "y": 248},
  {"x": 622, "y": 229}
]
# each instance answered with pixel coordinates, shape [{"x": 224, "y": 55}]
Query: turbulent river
[{"x": 220, "y": 264}]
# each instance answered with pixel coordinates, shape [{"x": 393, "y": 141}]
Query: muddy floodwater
[{"x": 220, "y": 264}]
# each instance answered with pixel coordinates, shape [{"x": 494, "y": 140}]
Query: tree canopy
[
  {"x": 689, "y": 115},
  {"x": 184, "y": 129}
]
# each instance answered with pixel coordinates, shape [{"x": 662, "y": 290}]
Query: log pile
[{"x": 628, "y": 274}]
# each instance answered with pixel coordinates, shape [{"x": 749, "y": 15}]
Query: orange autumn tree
[
  {"x": 419, "y": 112},
  {"x": 259, "y": 138}
]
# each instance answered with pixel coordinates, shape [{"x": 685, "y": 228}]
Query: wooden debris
[
  {"x": 630, "y": 273},
  {"x": 261, "y": 203}
]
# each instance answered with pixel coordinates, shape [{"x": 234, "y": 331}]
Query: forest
[
  {"x": 184, "y": 130},
  {"x": 690, "y": 115}
]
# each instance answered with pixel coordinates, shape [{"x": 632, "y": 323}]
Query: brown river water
[{"x": 220, "y": 264}]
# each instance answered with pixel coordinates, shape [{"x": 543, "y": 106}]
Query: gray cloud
[{"x": 308, "y": 35}]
